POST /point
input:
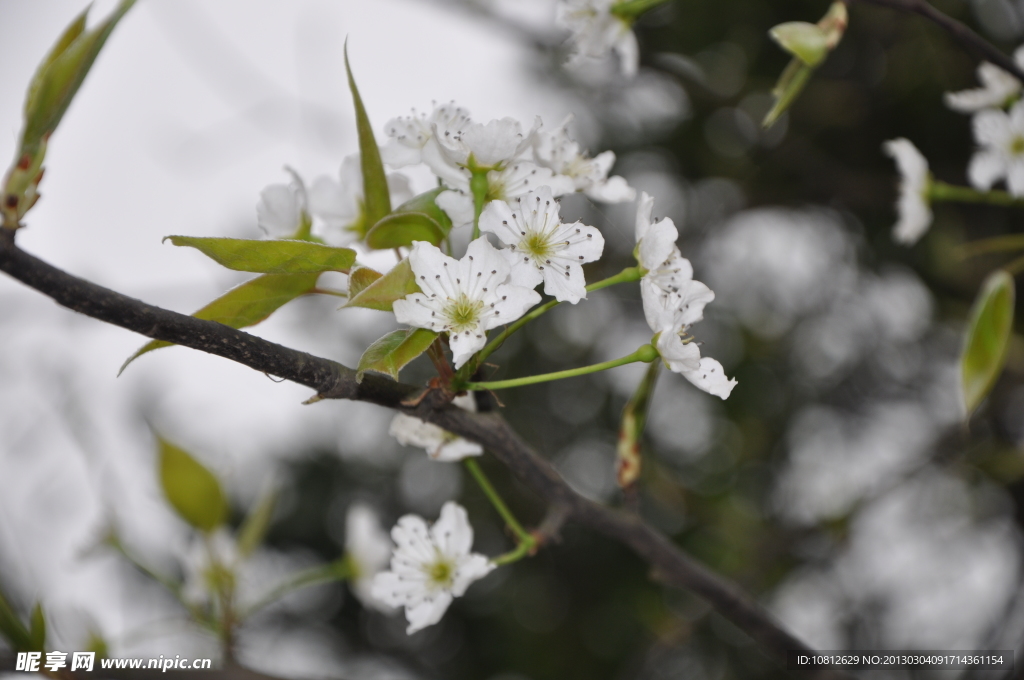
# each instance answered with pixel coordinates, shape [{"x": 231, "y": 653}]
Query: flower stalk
[{"x": 646, "y": 354}]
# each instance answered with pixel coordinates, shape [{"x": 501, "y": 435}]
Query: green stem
[
  {"x": 940, "y": 191},
  {"x": 519, "y": 552},
  {"x": 524, "y": 536},
  {"x": 997, "y": 244},
  {"x": 478, "y": 185},
  {"x": 647, "y": 353},
  {"x": 338, "y": 570},
  {"x": 626, "y": 275}
]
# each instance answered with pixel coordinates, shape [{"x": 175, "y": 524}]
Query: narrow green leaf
[
  {"x": 12, "y": 629},
  {"x": 392, "y": 352},
  {"x": 988, "y": 336},
  {"x": 394, "y": 285},
  {"x": 400, "y": 229},
  {"x": 376, "y": 198},
  {"x": 245, "y": 305},
  {"x": 37, "y": 629},
  {"x": 360, "y": 278},
  {"x": 271, "y": 257},
  {"x": 256, "y": 523},
  {"x": 62, "y": 73},
  {"x": 193, "y": 491}
]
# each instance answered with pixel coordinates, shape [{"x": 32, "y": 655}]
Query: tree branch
[
  {"x": 964, "y": 35},
  {"x": 332, "y": 380}
]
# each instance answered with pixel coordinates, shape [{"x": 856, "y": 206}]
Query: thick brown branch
[
  {"x": 332, "y": 380},
  {"x": 973, "y": 42}
]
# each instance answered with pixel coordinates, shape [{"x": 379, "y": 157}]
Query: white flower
[
  {"x": 997, "y": 89},
  {"x": 1001, "y": 136},
  {"x": 440, "y": 444},
  {"x": 430, "y": 566},
  {"x": 492, "y": 145},
  {"x": 410, "y": 135},
  {"x": 339, "y": 204},
  {"x": 559, "y": 152},
  {"x": 282, "y": 207},
  {"x": 684, "y": 358},
  {"x": 915, "y": 212},
  {"x": 671, "y": 297},
  {"x": 507, "y": 184},
  {"x": 368, "y": 550},
  {"x": 596, "y": 32},
  {"x": 464, "y": 298},
  {"x": 540, "y": 246},
  {"x": 673, "y": 301}
]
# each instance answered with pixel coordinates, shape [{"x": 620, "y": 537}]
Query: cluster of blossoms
[
  {"x": 505, "y": 181},
  {"x": 596, "y": 30},
  {"x": 997, "y": 112}
]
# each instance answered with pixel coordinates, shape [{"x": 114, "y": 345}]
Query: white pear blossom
[
  {"x": 464, "y": 298},
  {"x": 596, "y": 32},
  {"x": 540, "y": 246},
  {"x": 684, "y": 358},
  {"x": 492, "y": 145},
  {"x": 671, "y": 296},
  {"x": 410, "y": 135},
  {"x": 338, "y": 203},
  {"x": 282, "y": 207},
  {"x": 507, "y": 184},
  {"x": 430, "y": 566},
  {"x": 440, "y": 444},
  {"x": 367, "y": 549},
  {"x": 1001, "y": 137},
  {"x": 673, "y": 301},
  {"x": 998, "y": 88},
  {"x": 559, "y": 152},
  {"x": 913, "y": 206}
]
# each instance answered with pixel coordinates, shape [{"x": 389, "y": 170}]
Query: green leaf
[
  {"x": 245, "y": 305},
  {"x": 360, "y": 278},
  {"x": 62, "y": 73},
  {"x": 193, "y": 491},
  {"x": 427, "y": 203},
  {"x": 394, "y": 285},
  {"x": 791, "y": 84},
  {"x": 376, "y": 198},
  {"x": 988, "y": 336},
  {"x": 254, "y": 529},
  {"x": 37, "y": 629},
  {"x": 807, "y": 42},
  {"x": 12, "y": 628},
  {"x": 400, "y": 229},
  {"x": 392, "y": 352},
  {"x": 271, "y": 257}
]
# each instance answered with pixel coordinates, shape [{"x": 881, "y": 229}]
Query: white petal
[
  {"x": 565, "y": 285},
  {"x": 495, "y": 143},
  {"x": 458, "y": 205},
  {"x": 512, "y": 301},
  {"x": 464, "y": 345},
  {"x": 452, "y": 533},
  {"x": 992, "y": 128},
  {"x": 412, "y": 541},
  {"x": 643, "y": 215},
  {"x": 431, "y": 268},
  {"x": 629, "y": 52},
  {"x": 985, "y": 169},
  {"x": 680, "y": 357},
  {"x": 387, "y": 588},
  {"x": 523, "y": 272},
  {"x": 279, "y": 210},
  {"x": 613, "y": 190},
  {"x": 399, "y": 155},
  {"x": 410, "y": 431},
  {"x": 658, "y": 244},
  {"x": 497, "y": 219},
  {"x": 418, "y": 310},
  {"x": 455, "y": 450},
  {"x": 711, "y": 378},
  {"x": 472, "y": 568},
  {"x": 486, "y": 258},
  {"x": 428, "y": 612}
]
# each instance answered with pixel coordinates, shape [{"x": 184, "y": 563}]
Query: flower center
[
  {"x": 441, "y": 572},
  {"x": 463, "y": 313},
  {"x": 537, "y": 245},
  {"x": 1017, "y": 146}
]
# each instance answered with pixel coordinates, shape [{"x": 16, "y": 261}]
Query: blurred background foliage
[{"x": 839, "y": 483}]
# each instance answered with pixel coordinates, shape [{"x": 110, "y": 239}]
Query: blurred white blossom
[
  {"x": 915, "y": 212},
  {"x": 338, "y": 203},
  {"x": 1000, "y": 136},
  {"x": 559, "y": 152},
  {"x": 430, "y": 566},
  {"x": 368, "y": 550},
  {"x": 998, "y": 88},
  {"x": 282, "y": 207},
  {"x": 440, "y": 444},
  {"x": 596, "y": 32}
]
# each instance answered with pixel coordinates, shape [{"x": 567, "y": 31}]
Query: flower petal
[
  {"x": 428, "y": 612},
  {"x": 711, "y": 378},
  {"x": 452, "y": 533}
]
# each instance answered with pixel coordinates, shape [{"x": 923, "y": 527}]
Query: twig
[
  {"x": 958, "y": 31},
  {"x": 332, "y": 380}
]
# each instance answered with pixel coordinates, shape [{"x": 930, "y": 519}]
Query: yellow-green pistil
[
  {"x": 1017, "y": 146},
  {"x": 463, "y": 313},
  {"x": 441, "y": 573}
]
